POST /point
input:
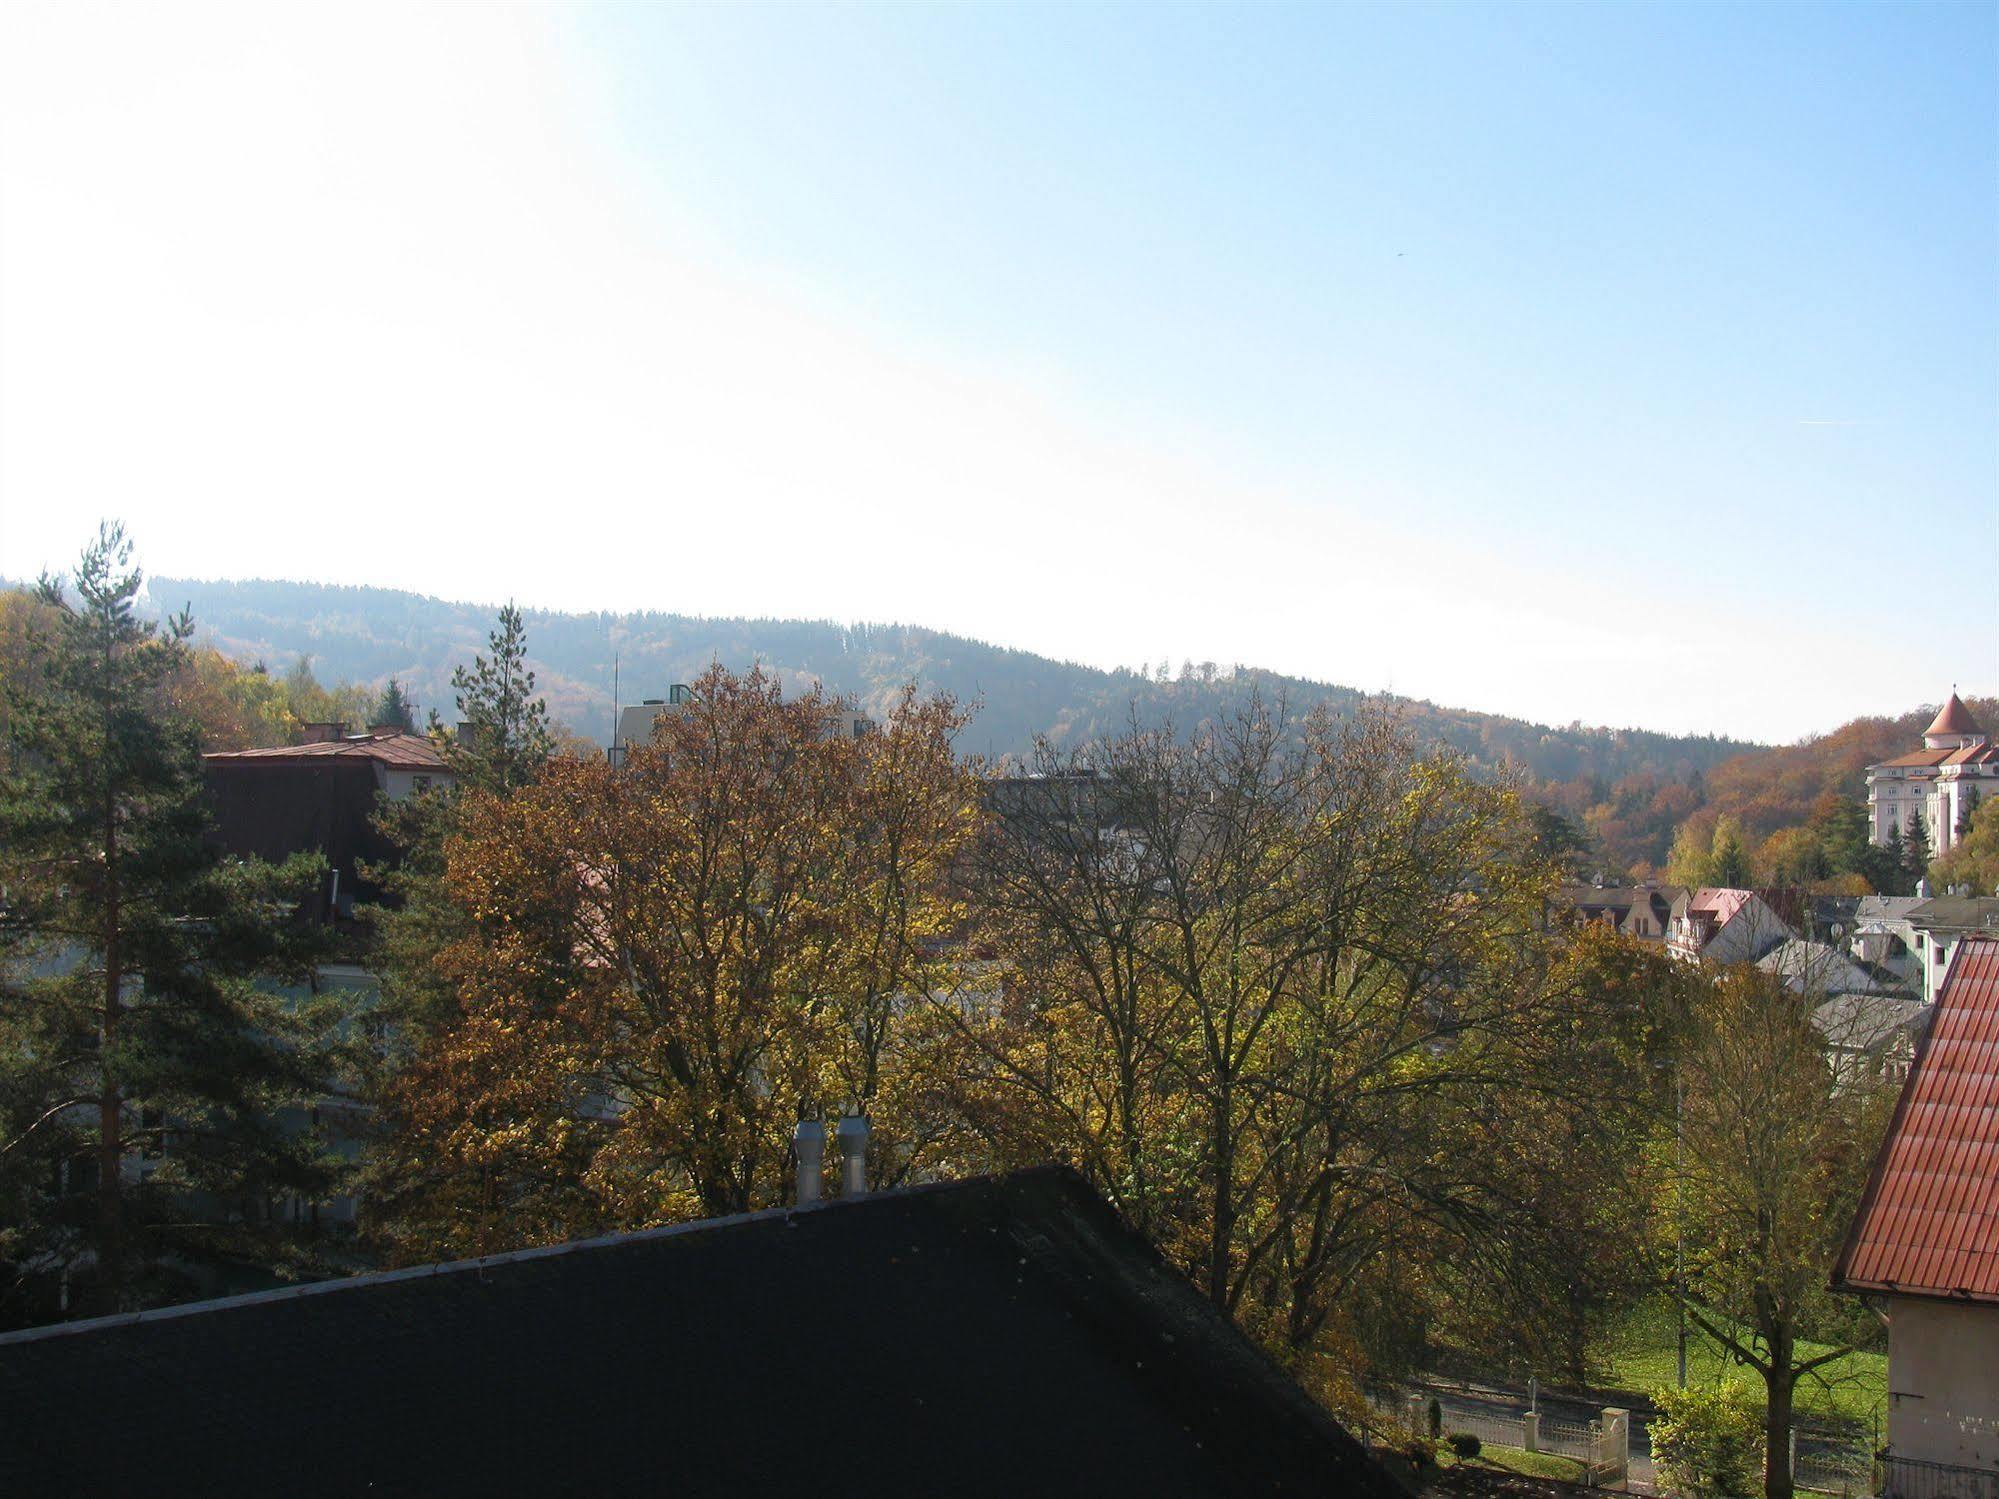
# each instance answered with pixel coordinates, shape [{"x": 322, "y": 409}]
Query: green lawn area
[
  {"x": 1644, "y": 1357},
  {"x": 1519, "y": 1460}
]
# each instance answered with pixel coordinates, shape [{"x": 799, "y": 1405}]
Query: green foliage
[
  {"x": 1465, "y": 1444},
  {"x": 1916, "y": 851},
  {"x": 1707, "y": 1441},
  {"x": 1728, "y": 864},
  {"x": 1974, "y": 860},
  {"x": 138, "y": 1020},
  {"x": 505, "y": 739},
  {"x": 1770, "y": 1157}
]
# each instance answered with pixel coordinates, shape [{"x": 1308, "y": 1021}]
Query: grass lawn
[
  {"x": 1644, "y": 1358},
  {"x": 1518, "y": 1460}
]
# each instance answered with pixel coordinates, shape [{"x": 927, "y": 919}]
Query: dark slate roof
[{"x": 1008, "y": 1335}]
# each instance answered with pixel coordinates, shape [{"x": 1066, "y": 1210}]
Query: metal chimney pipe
[
  {"x": 853, "y": 1137},
  {"x": 808, "y": 1143}
]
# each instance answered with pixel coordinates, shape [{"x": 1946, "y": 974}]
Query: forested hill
[{"x": 369, "y": 634}]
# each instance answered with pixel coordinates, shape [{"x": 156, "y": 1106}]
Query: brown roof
[
  {"x": 399, "y": 751},
  {"x": 1929, "y": 1224},
  {"x": 1953, "y": 718},
  {"x": 1972, "y": 754},
  {"x": 1921, "y": 757}
]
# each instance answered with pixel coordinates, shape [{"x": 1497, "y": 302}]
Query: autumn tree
[
  {"x": 503, "y": 744},
  {"x": 1267, "y": 982},
  {"x": 1772, "y": 1154},
  {"x": 141, "y": 1018},
  {"x": 1571, "y": 1254},
  {"x": 663, "y": 965},
  {"x": 1974, "y": 859}
]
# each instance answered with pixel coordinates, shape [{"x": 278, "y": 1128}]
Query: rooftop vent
[
  {"x": 808, "y": 1144},
  {"x": 853, "y": 1137}
]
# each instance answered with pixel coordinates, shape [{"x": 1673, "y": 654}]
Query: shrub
[
  {"x": 1465, "y": 1445},
  {"x": 1707, "y": 1442},
  {"x": 1436, "y": 1419}
]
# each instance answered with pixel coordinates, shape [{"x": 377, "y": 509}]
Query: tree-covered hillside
[{"x": 367, "y": 635}]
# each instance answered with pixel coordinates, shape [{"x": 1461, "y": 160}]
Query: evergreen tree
[
  {"x": 1840, "y": 823},
  {"x": 1894, "y": 864},
  {"x": 1916, "y": 850},
  {"x": 394, "y": 708},
  {"x": 506, "y": 739},
  {"x": 1972, "y": 798},
  {"x": 142, "y": 1063},
  {"x": 505, "y": 745}
]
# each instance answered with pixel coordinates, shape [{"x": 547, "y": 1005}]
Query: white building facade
[{"x": 1940, "y": 784}]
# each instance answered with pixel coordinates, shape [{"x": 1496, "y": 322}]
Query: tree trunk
[
  {"x": 110, "y": 1099},
  {"x": 1781, "y": 1386},
  {"x": 1222, "y": 1232}
]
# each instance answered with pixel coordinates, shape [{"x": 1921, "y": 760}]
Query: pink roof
[
  {"x": 1929, "y": 1224},
  {"x": 1722, "y": 904},
  {"x": 398, "y": 751},
  {"x": 1971, "y": 754},
  {"x": 1953, "y": 718}
]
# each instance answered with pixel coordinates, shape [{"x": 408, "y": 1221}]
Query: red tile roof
[
  {"x": 398, "y": 751},
  {"x": 1929, "y": 1224},
  {"x": 1972, "y": 754},
  {"x": 1953, "y": 718}
]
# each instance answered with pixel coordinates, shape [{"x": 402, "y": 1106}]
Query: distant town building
[
  {"x": 1642, "y": 911},
  {"x": 1940, "y": 923},
  {"x": 1939, "y": 784},
  {"x": 321, "y": 796},
  {"x": 637, "y": 722},
  {"x": 1731, "y": 926}
]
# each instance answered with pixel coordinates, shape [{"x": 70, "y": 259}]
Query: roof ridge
[{"x": 506, "y": 1257}]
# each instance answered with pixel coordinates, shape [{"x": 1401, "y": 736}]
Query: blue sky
[{"x": 1629, "y": 364}]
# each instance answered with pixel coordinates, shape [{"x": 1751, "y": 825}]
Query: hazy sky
[{"x": 1629, "y": 364}]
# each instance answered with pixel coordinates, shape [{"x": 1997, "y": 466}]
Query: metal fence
[
  {"x": 1569, "y": 1439},
  {"x": 1845, "y": 1472},
  {"x": 1911, "y": 1478},
  {"x": 1495, "y": 1431}
]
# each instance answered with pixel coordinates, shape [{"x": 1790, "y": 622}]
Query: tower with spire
[{"x": 1957, "y": 767}]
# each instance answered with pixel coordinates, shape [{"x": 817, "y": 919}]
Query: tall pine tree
[
  {"x": 504, "y": 737},
  {"x": 1916, "y": 851},
  {"x": 394, "y": 709},
  {"x": 145, "y": 1054}
]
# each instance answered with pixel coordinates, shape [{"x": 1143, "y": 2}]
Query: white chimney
[
  {"x": 853, "y": 1137},
  {"x": 808, "y": 1142}
]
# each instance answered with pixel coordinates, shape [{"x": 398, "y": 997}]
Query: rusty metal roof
[
  {"x": 400, "y": 751},
  {"x": 1929, "y": 1223}
]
